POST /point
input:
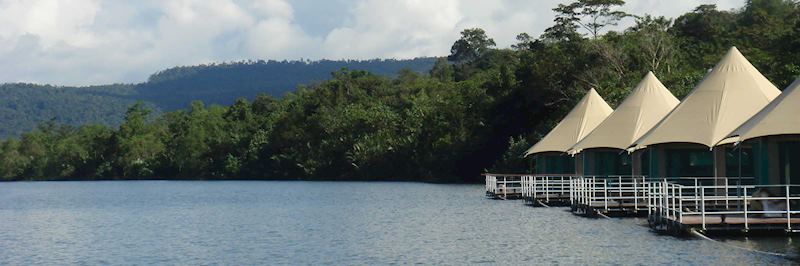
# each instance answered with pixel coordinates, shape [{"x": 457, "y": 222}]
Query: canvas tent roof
[
  {"x": 646, "y": 105},
  {"x": 583, "y": 118},
  {"x": 729, "y": 95},
  {"x": 779, "y": 117}
]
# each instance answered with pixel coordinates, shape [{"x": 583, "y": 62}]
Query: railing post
[
  {"x": 665, "y": 198},
  {"x": 680, "y": 205},
  {"x": 650, "y": 203},
  {"x": 570, "y": 193},
  {"x": 593, "y": 195},
  {"x": 672, "y": 202},
  {"x": 505, "y": 187},
  {"x": 788, "y": 210},
  {"x": 605, "y": 194},
  {"x": 744, "y": 199},
  {"x": 577, "y": 190},
  {"x": 703, "y": 207},
  {"x": 727, "y": 205},
  {"x": 584, "y": 191},
  {"x": 635, "y": 194},
  {"x": 547, "y": 188},
  {"x": 696, "y": 195},
  {"x": 647, "y": 197}
]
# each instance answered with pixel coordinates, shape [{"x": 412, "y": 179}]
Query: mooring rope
[
  {"x": 603, "y": 215},
  {"x": 701, "y": 235},
  {"x": 542, "y": 203}
]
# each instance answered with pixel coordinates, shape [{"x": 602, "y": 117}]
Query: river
[{"x": 339, "y": 223}]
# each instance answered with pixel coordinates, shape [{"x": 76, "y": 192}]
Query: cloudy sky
[{"x": 83, "y": 42}]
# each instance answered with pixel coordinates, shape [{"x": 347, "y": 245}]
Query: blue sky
[{"x": 84, "y": 42}]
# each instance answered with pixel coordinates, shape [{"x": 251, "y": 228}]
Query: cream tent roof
[
  {"x": 583, "y": 118},
  {"x": 730, "y": 94},
  {"x": 647, "y": 104},
  {"x": 779, "y": 117}
]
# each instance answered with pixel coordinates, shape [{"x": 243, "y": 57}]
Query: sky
[{"x": 89, "y": 42}]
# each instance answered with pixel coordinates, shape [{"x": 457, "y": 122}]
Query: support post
[
  {"x": 703, "y": 207},
  {"x": 788, "y": 210},
  {"x": 744, "y": 199}
]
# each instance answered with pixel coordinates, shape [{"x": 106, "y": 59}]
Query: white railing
[
  {"x": 547, "y": 187},
  {"x": 709, "y": 205},
  {"x": 491, "y": 183},
  {"x": 503, "y": 185},
  {"x": 610, "y": 193}
]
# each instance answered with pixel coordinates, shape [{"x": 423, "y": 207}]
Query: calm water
[{"x": 164, "y": 222}]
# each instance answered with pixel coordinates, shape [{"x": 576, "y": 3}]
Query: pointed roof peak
[
  {"x": 730, "y": 93},
  {"x": 734, "y": 57},
  {"x": 779, "y": 117},
  {"x": 644, "y": 107},
  {"x": 649, "y": 77},
  {"x": 649, "y": 80},
  {"x": 582, "y": 119}
]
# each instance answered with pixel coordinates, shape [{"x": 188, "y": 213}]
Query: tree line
[
  {"x": 475, "y": 110},
  {"x": 23, "y": 105}
]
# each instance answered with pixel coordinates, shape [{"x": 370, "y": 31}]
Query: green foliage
[
  {"x": 471, "y": 46},
  {"x": 139, "y": 143},
  {"x": 478, "y": 109},
  {"x": 592, "y": 15},
  {"x": 512, "y": 160}
]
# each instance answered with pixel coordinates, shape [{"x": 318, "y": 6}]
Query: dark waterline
[{"x": 279, "y": 222}]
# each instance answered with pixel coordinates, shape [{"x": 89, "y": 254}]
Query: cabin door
[{"x": 789, "y": 162}]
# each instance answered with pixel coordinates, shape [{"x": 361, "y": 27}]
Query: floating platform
[
  {"x": 610, "y": 196},
  {"x": 547, "y": 190},
  {"x": 677, "y": 209},
  {"x": 505, "y": 187}
]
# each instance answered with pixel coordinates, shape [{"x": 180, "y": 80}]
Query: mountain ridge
[{"x": 23, "y": 106}]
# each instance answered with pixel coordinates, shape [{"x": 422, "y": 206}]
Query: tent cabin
[
  {"x": 603, "y": 151},
  {"x": 688, "y": 142},
  {"x": 550, "y": 152},
  {"x": 774, "y": 134}
]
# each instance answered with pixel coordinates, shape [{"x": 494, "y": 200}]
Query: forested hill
[
  {"x": 175, "y": 88},
  {"x": 24, "y": 106}
]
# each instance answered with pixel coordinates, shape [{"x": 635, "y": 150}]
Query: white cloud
[
  {"x": 395, "y": 29},
  {"x": 80, "y": 42},
  {"x": 279, "y": 38},
  {"x": 273, "y": 8}
]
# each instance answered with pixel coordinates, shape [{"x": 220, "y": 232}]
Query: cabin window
[
  {"x": 555, "y": 164},
  {"x": 732, "y": 162},
  {"x": 609, "y": 163},
  {"x": 689, "y": 162}
]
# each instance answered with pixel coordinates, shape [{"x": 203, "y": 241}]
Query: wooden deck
[
  {"x": 553, "y": 196},
  {"x": 734, "y": 220},
  {"x": 617, "y": 204}
]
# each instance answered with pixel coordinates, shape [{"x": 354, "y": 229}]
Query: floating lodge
[{"x": 726, "y": 157}]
